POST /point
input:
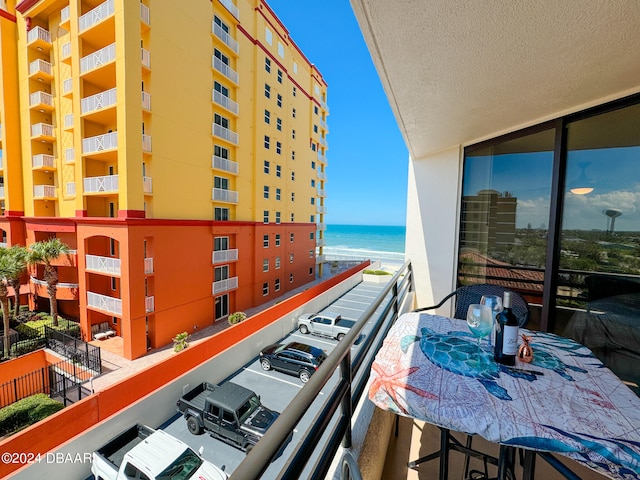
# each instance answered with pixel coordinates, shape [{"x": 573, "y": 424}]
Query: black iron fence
[
  {"x": 76, "y": 350},
  {"x": 27, "y": 339}
]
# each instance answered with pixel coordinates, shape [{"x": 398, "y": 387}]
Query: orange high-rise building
[{"x": 179, "y": 151}]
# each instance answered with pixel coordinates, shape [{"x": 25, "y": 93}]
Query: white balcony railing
[
  {"x": 40, "y": 98},
  {"x": 221, "y": 256},
  {"x": 40, "y": 66},
  {"x": 321, "y": 209},
  {"x": 69, "y": 155},
  {"x": 44, "y": 191},
  {"x": 229, "y": 5},
  {"x": 68, "y": 120},
  {"x": 96, "y": 15},
  {"x": 107, "y": 183},
  {"x": 70, "y": 189},
  {"x": 99, "y": 143},
  {"x": 147, "y": 185},
  {"x": 225, "y": 70},
  {"x": 1, "y": 192},
  {"x": 145, "y": 14},
  {"x": 322, "y": 175},
  {"x": 42, "y": 130},
  {"x": 324, "y": 125},
  {"x": 98, "y": 101},
  {"x": 320, "y": 242},
  {"x": 321, "y": 192},
  {"x": 225, "y": 285},
  {"x": 98, "y": 58},
  {"x": 38, "y": 33},
  {"x": 65, "y": 14},
  {"x": 225, "y": 133},
  {"x": 148, "y": 265},
  {"x": 222, "y": 195},
  {"x": 146, "y": 58},
  {"x": 322, "y": 158},
  {"x": 43, "y": 160},
  {"x": 225, "y": 102},
  {"x": 149, "y": 304},
  {"x": 100, "y": 264},
  {"x": 227, "y": 39},
  {"x": 67, "y": 86},
  {"x": 104, "y": 303},
  {"x": 323, "y": 141},
  {"x": 322, "y": 226},
  {"x": 65, "y": 50},
  {"x": 146, "y": 101},
  {"x": 220, "y": 163},
  {"x": 146, "y": 143},
  {"x": 1, "y": 158}
]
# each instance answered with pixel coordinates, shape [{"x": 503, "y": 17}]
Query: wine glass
[
  {"x": 479, "y": 320},
  {"x": 495, "y": 303}
]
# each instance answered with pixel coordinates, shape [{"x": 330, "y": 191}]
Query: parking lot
[{"x": 277, "y": 389}]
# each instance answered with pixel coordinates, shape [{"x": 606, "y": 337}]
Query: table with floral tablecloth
[{"x": 565, "y": 401}]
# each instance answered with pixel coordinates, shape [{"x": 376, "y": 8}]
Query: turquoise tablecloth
[{"x": 566, "y": 401}]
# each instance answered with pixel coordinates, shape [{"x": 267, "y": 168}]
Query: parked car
[
  {"x": 293, "y": 358},
  {"x": 327, "y": 324}
]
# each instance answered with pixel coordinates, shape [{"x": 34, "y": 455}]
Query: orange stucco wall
[{"x": 73, "y": 420}]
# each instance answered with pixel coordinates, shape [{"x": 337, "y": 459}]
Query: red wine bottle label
[{"x": 510, "y": 340}]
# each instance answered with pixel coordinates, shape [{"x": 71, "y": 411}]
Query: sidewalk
[{"x": 117, "y": 368}]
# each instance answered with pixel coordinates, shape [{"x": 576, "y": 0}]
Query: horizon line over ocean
[{"x": 365, "y": 242}]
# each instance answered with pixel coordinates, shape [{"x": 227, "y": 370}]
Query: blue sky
[{"x": 367, "y": 157}]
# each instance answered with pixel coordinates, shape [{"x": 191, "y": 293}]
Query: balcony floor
[{"x": 416, "y": 439}]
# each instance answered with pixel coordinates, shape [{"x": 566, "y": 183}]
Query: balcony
[
  {"x": 320, "y": 242},
  {"x": 67, "y": 86},
  {"x": 145, "y": 14},
  {"x": 147, "y": 185},
  {"x": 98, "y": 264},
  {"x": 225, "y": 102},
  {"x": 321, "y": 192},
  {"x": 64, "y": 290},
  {"x": 104, "y": 184},
  {"x": 224, "y": 256},
  {"x": 225, "y": 70},
  {"x": 98, "y": 58},
  {"x": 69, "y": 155},
  {"x": 65, "y": 51},
  {"x": 145, "y": 58},
  {"x": 98, "y": 101},
  {"x": 149, "y": 304},
  {"x": 65, "y": 15},
  {"x": 224, "y": 164},
  {"x": 324, "y": 125},
  {"x": 95, "y": 16},
  {"x": 44, "y": 192},
  {"x": 225, "y": 285},
  {"x": 224, "y": 133},
  {"x": 322, "y": 158},
  {"x": 322, "y": 175},
  {"x": 146, "y": 143},
  {"x": 223, "y": 195},
  {"x": 39, "y": 38},
  {"x": 42, "y": 101},
  {"x": 104, "y": 303},
  {"x": 68, "y": 121},
  {"x": 2, "y": 192},
  {"x": 41, "y": 70},
  {"x": 146, "y": 101},
  {"x": 321, "y": 209},
  {"x": 233, "y": 10},
  {"x": 148, "y": 266},
  {"x": 1, "y": 157},
  {"x": 70, "y": 189},
  {"x": 227, "y": 39},
  {"x": 323, "y": 142},
  {"x": 43, "y": 162},
  {"x": 42, "y": 131},
  {"x": 99, "y": 143}
]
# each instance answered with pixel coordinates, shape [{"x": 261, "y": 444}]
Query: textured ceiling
[{"x": 457, "y": 71}]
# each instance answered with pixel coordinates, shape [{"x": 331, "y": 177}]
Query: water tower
[{"x": 612, "y": 213}]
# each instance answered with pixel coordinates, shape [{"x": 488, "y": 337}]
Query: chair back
[{"x": 469, "y": 294}]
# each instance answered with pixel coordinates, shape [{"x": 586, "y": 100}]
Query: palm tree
[
  {"x": 8, "y": 269},
  {"x": 19, "y": 255},
  {"x": 46, "y": 252}
]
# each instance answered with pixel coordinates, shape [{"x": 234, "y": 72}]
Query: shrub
[
  {"x": 39, "y": 320},
  {"x": 376, "y": 272},
  {"x": 27, "y": 411},
  {"x": 26, "y": 346},
  {"x": 180, "y": 342},
  {"x": 237, "y": 317}
]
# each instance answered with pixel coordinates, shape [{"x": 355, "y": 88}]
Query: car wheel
[
  {"x": 304, "y": 329},
  {"x": 340, "y": 336},
  {"x": 265, "y": 364},
  {"x": 304, "y": 376},
  {"x": 193, "y": 426}
]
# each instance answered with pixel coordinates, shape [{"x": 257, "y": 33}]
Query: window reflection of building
[{"x": 488, "y": 221}]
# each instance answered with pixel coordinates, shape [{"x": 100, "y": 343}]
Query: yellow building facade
[{"x": 178, "y": 148}]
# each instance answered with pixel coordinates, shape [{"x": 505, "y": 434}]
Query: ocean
[{"x": 365, "y": 242}]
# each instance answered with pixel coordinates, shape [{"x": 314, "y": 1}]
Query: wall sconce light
[{"x": 583, "y": 184}]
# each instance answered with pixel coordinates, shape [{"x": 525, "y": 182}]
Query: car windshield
[
  {"x": 249, "y": 406},
  {"x": 183, "y": 467},
  {"x": 280, "y": 348}
]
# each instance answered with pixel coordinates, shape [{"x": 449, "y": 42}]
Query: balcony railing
[
  {"x": 1, "y": 192},
  {"x": 322, "y": 175},
  {"x": 68, "y": 120},
  {"x": 104, "y": 303},
  {"x": 38, "y": 33},
  {"x": 98, "y": 101},
  {"x": 145, "y": 14},
  {"x": 98, "y": 58},
  {"x": 42, "y": 130},
  {"x": 44, "y": 191},
  {"x": 321, "y": 192},
  {"x": 1, "y": 157},
  {"x": 69, "y": 155},
  {"x": 227, "y": 165},
  {"x": 100, "y": 264},
  {"x": 67, "y": 86},
  {"x": 95, "y": 16},
  {"x": 147, "y": 185},
  {"x": 321, "y": 209},
  {"x": 225, "y": 70},
  {"x": 225, "y": 102},
  {"x": 146, "y": 143},
  {"x": 224, "y": 133},
  {"x": 99, "y": 143},
  {"x": 148, "y": 265},
  {"x": 149, "y": 304},
  {"x": 40, "y": 66},
  {"x": 146, "y": 101},
  {"x": 320, "y": 242},
  {"x": 227, "y": 39},
  {"x": 43, "y": 160},
  {"x": 222, "y": 195},
  {"x": 65, "y": 50},
  {"x": 70, "y": 189},
  {"x": 323, "y": 141},
  {"x": 322, "y": 158},
  {"x": 40, "y": 98},
  {"x": 65, "y": 14},
  {"x": 225, "y": 285},
  {"x": 107, "y": 183},
  {"x": 229, "y": 5},
  {"x": 146, "y": 58},
  {"x": 221, "y": 256}
]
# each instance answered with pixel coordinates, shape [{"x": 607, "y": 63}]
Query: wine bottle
[{"x": 506, "y": 346}]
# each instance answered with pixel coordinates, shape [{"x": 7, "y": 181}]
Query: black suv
[{"x": 293, "y": 358}]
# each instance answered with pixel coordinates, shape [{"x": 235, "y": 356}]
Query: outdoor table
[{"x": 565, "y": 401}]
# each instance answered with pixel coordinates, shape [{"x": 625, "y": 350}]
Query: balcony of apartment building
[
  {"x": 219, "y": 98},
  {"x": 41, "y": 71},
  {"x": 224, "y": 195},
  {"x": 322, "y": 157},
  {"x": 224, "y": 164},
  {"x": 321, "y": 192},
  {"x": 233, "y": 10},
  {"x": 223, "y": 132},
  {"x": 41, "y": 101},
  {"x": 64, "y": 290},
  {"x": 97, "y": 25},
  {"x": 224, "y": 256},
  {"x": 220, "y": 63},
  {"x": 101, "y": 184},
  {"x": 224, "y": 285},
  {"x": 39, "y": 38},
  {"x": 98, "y": 67},
  {"x": 223, "y": 35},
  {"x": 145, "y": 15},
  {"x": 103, "y": 146},
  {"x": 43, "y": 162},
  {"x": 100, "y": 107}
]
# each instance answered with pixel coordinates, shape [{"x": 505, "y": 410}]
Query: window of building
[
  {"x": 294, "y": 90},
  {"x": 315, "y": 129},
  {"x": 312, "y": 219},
  {"x": 223, "y": 26},
  {"x": 221, "y": 273},
  {"x": 266, "y": 166},
  {"x": 293, "y": 113},
  {"x": 311, "y": 253},
  {"x": 276, "y": 285},
  {"x": 313, "y": 200},
  {"x": 278, "y": 171},
  {"x": 293, "y": 155},
  {"x": 291, "y": 237},
  {"x": 279, "y": 124},
  {"x": 293, "y": 134},
  {"x": 266, "y": 191},
  {"x": 265, "y": 216},
  {"x": 114, "y": 285},
  {"x": 277, "y": 239},
  {"x": 220, "y": 120},
  {"x": 221, "y": 243},
  {"x": 218, "y": 87},
  {"x": 278, "y": 148},
  {"x": 267, "y": 64},
  {"x": 313, "y": 147},
  {"x": 268, "y": 36},
  {"x": 267, "y": 116},
  {"x": 279, "y": 101},
  {"x": 279, "y": 76},
  {"x": 278, "y": 192},
  {"x": 280, "y": 50},
  {"x": 221, "y": 57},
  {"x": 310, "y": 270},
  {"x": 221, "y": 152},
  {"x": 276, "y": 263},
  {"x": 315, "y": 109},
  {"x": 291, "y": 258},
  {"x": 267, "y": 90},
  {"x": 293, "y": 175},
  {"x": 291, "y": 278},
  {"x": 222, "y": 306},
  {"x": 265, "y": 289},
  {"x": 265, "y": 265},
  {"x": 313, "y": 165},
  {"x": 293, "y": 217},
  {"x": 265, "y": 241},
  {"x": 312, "y": 234},
  {"x": 293, "y": 196},
  {"x": 221, "y": 214},
  {"x": 221, "y": 183},
  {"x": 267, "y": 142},
  {"x": 112, "y": 247},
  {"x": 313, "y": 182}
]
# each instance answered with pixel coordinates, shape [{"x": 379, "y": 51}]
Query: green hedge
[
  {"x": 25, "y": 412},
  {"x": 376, "y": 272},
  {"x": 38, "y": 322}
]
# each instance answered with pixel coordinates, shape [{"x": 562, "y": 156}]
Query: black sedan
[{"x": 293, "y": 358}]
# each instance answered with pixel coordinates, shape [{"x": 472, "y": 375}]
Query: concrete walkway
[{"x": 117, "y": 368}]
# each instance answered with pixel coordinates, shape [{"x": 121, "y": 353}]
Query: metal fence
[
  {"x": 73, "y": 348},
  {"x": 29, "y": 339}
]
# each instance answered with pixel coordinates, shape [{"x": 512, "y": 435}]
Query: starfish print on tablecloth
[{"x": 389, "y": 383}]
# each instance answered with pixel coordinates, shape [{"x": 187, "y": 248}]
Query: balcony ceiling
[{"x": 457, "y": 72}]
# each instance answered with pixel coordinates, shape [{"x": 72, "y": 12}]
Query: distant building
[
  {"x": 180, "y": 151},
  {"x": 488, "y": 219}
]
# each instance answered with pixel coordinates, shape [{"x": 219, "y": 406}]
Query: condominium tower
[{"x": 178, "y": 148}]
